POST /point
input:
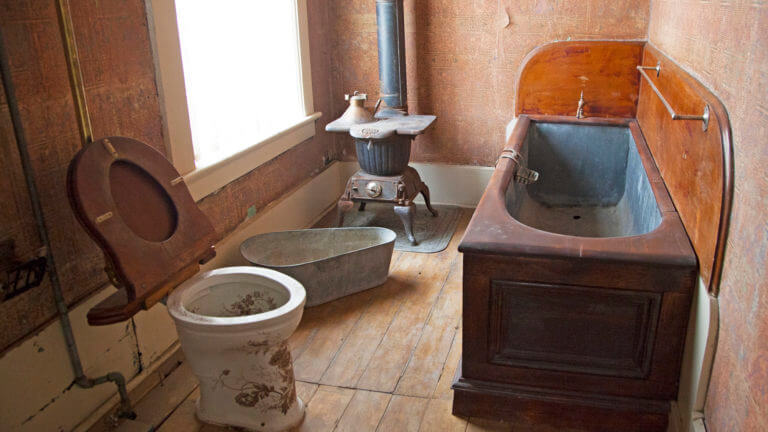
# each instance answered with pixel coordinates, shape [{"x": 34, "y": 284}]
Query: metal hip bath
[{"x": 329, "y": 262}]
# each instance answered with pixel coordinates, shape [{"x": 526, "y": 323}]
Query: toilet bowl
[{"x": 233, "y": 324}]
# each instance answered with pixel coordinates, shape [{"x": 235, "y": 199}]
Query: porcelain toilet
[{"x": 233, "y": 322}]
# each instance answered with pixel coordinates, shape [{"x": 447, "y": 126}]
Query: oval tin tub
[{"x": 329, "y": 262}]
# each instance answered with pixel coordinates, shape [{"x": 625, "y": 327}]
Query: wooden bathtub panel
[
  {"x": 696, "y": 165},
  {"x": 572, "y": 328},
  {"x": 660, "y": 383},
  {"x": 553, "y": 76}
]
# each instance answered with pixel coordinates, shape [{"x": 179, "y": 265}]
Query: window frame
[{"x": 161, "y": 18}]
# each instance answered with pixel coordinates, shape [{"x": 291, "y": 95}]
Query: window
[{"x": 235, "y": 84}]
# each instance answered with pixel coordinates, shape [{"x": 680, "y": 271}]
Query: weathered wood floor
[{"x": 383, "y": 359}]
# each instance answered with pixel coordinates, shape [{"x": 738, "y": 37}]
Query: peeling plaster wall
[
  {"x": 726, "y": 45},
  {"x": 463, "y": 58}
]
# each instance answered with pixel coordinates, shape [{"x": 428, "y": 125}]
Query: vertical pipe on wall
[
  {"x": 391, "y": 34},
  {"x": 80, "y": 378},
  {"x": 75, "y": 73}
]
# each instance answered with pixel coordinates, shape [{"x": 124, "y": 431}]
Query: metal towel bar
[{"x": 675, "y": 116}]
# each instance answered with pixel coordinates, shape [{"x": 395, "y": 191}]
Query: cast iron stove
[{"x": 384, "y": 146}]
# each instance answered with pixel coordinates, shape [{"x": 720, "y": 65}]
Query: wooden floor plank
[
  {"x": 426, "y": 364},
  {"x": 305, "y": 391},
  {"x": 394, "y": 351},
  {"x": 325, "y": 409},
  {"x": 213, "y": 428},
  {"x": 301, "y": 338},
  {"x": 403, "y": 414},
  {"x": 321, "y": 330},
  {"x": 449, "y": 303},
  {"x": 357, "y": 351},
  {"x": 438, "y": 418},
  {"x": 341, "y": 316},
  {"x": 428, "y": 273},
  {"x": 164, "y": 399},
  {"x": 428, "y": 359},
  {"x": 183, "y": 417},
  {"x": 443, "y": 388},
  {"x": 483, "y": 425},
  {"x": 364, "y": 412}
]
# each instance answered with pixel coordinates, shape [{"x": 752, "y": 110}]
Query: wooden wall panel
[
  {"x": 554, "y": 75},
  {"x": 690, "y": 159}
]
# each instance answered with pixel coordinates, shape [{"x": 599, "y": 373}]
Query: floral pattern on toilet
[
  {"x": 251, "y": 393},
  {"x": 252, "y": 304}
]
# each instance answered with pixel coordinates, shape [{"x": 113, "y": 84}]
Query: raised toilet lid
[{"x": 135, "y": 205}]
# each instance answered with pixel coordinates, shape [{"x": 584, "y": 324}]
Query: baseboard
[
  {"x": 698, "y": 358},
  {"x": 459, "y": 185}
]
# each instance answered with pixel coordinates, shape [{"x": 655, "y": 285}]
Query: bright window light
[{"x": 241, "y": 71}]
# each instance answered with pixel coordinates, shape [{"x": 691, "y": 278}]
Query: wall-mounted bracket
[
  {"x": 656, "y": 68},
  {"x": 675, "y": 116}
]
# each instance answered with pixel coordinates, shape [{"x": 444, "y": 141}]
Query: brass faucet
[{"x": 580, "y": 109}]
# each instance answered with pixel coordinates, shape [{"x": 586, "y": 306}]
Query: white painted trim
[
  {"x": 459, "y": 185},
  {"x": 164, "y": 34},
  {"x": 204, "y": 181},
  {"x": 169, "y": 75},
  {"x": 698, "y": 424},
  {"x": 304, "y": 57},
  {"x": 674, "y": 416},
  {"x": 698, "y": 357}
]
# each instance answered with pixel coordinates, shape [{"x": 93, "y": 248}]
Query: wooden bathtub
[{"x": 577, "y": 287}]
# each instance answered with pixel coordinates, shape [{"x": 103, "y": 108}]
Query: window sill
[{"x": 204, "y": 181}]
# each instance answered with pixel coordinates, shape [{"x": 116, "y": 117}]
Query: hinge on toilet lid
[{"x": 110, "y": 148}]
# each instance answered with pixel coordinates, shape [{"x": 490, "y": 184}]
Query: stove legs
[
  {"x": 406, "y": 214},
  {"x": 425, "y": 193},
  {"x": 343, "y": 207}
]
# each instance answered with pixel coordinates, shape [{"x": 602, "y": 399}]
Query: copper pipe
[{"x": 75, "y": 73}]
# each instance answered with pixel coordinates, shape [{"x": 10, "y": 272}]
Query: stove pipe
[{"x": 391, "y": 33}]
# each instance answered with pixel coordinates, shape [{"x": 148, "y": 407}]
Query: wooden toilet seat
[{"x": 135, "y": 205}]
